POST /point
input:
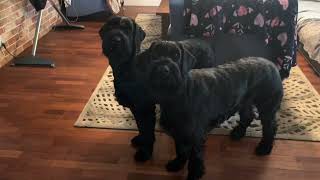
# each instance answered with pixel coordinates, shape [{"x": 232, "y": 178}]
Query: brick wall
[{"x": 17, "y": 25}]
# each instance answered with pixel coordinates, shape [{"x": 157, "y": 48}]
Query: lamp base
[
  {"x": 33, "y": 61},
  {"x": 68, "y": 26}
]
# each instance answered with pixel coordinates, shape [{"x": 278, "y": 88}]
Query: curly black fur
[
  {"x": 203, "y": 98},
  {"x": 197, "y": 53}
]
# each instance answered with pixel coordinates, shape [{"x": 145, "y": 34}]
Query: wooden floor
[{"x": 38, "y": 141}]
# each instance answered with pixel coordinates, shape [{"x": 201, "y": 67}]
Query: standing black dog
[
  {"x": 197, "y": 53},
  {"x": 121, "y": 41},
  {"x": 201, "y": 99}
]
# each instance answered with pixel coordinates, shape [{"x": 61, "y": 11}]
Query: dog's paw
[
  {"x": 196, "y": 175},
  {"x": 263, "y": 149},
  {"x": 196, "y": 170},
  {"x": 237, "y": 133},
  {"x": 175, "y": 165},
  {"x": 137, "y": 141},
  {"x": 143, "y": 155},
  {"x": 192, "y": 178}
]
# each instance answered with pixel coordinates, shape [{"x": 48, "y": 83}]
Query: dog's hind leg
[
  {"x": 269, "y": 128},
  {"x": 145, "y": 119},
  {"x": 246, "y": 117},
  {"x": 267, "y": 114}
]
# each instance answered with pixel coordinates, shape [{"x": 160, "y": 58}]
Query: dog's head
[
  {"x": 121, "y": 38},
  {"x": 164, "y": 79},
  {"x": 160, "y": 68},
  {"x": 158, "y": 49}
]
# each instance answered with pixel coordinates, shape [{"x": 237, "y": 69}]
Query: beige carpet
[{"x": 298, "y": 118}]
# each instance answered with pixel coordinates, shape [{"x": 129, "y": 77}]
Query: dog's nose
[
  {"x": 116, "y": 40},
  {"x": 165, "y": 71}
]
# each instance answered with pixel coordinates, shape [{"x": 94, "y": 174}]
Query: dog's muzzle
[
  {"x": 165, "y": 78},
  {"x": 163, "y": 73},
  {"x": 116, "y": 42}
]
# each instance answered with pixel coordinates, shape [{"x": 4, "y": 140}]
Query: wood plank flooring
[{"x": 38, "y": 141}]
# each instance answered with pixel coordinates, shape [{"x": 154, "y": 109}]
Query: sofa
[{"x": 276, "y": 20}]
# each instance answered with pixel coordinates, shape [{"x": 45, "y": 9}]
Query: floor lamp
[{"x": 37, "y": 61}]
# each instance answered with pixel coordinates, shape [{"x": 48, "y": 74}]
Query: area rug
[{"x": 298, "y": 118}]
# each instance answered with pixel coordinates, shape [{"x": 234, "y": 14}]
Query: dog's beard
[{"x": 165, "y": 79}]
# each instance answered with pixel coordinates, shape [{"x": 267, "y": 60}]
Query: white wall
[{"x": 142, "y": 2}]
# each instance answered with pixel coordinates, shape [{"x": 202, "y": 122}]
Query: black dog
[
  {"x": 121, "y": 41},
  {"x": 197, "y": 53},
  {"x": 199, "y": 100}
]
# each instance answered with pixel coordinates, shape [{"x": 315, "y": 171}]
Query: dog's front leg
[
  {"x": 196, "y": 168},
  {"x": 145, "y": 119},
  {"x": 182, "y": 153}
]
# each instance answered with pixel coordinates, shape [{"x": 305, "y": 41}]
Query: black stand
[{"x": 33, "y": 60}]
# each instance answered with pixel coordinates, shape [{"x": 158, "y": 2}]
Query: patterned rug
[{"x": 298, "y": 118}]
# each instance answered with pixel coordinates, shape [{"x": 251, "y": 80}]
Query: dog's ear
[
  {"x": 102, "y": 30},
  {"x": 140, "y": 33},
  {"x": 178, "y": 51},
  {"x": 138, "y": 36},
  {"x": 186, "y": 61},
  {"x": 141, "y": 65}
]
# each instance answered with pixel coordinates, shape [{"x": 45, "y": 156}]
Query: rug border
[
  {"x": 306, "y": 79},
  {"x": 221, "y": 132},
  {"x": 82, "y": 114}
]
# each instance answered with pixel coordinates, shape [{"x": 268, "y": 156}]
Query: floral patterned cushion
[{"x": 275, "y": 19}]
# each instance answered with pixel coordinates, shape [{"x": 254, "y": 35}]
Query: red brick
[
  {"x": 27, "y": 44},
  {"x": 17, "y": 24},
  {"x": 12, "y": 40}
]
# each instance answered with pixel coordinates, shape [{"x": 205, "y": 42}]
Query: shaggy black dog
[
  {"x": 121, "y": 41},
  {"x": 196, "y": 53},
  {"x": 201, "y": 99}
]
